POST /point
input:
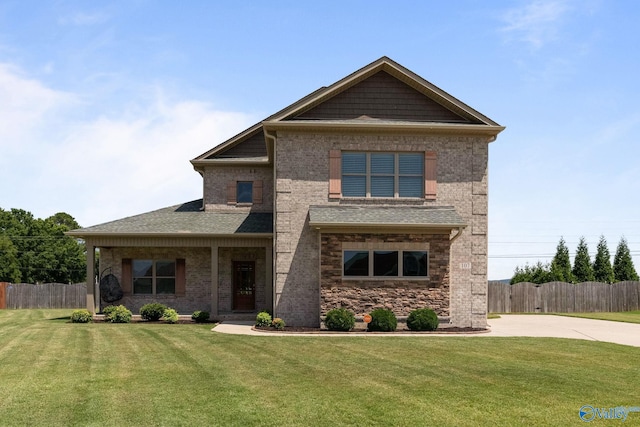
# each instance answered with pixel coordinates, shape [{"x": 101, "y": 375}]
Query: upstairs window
[
  {"x": 244, "y": 192},
  {"x": 384, "y": 175}
]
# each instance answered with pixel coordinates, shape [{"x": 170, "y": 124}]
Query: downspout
[
  {"x": 272, "y": 138},
  {"x": 458, "y": 234}
]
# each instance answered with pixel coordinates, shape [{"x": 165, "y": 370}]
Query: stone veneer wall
[
  {"x": 399, "y": 295},
  {"x": 198, "y": 281}
]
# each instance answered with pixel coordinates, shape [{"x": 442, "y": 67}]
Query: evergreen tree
[
  {"x": 538, "y": 274},
  {"x": 623, "y": 268},
  {"x": 582, "y": 268},
  {"x": 561, "y": 264},
  {"x": 602, "y": 270}
]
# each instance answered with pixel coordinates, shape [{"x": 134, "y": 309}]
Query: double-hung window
[
  {"x": 385, "y": 263},
  {"x": 154, "y": 276},
  {"x": 380, "y": 174}
]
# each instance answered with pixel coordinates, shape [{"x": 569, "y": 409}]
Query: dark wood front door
[{"x": 244, "y": 285}]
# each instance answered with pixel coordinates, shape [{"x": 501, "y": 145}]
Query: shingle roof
[
  {"x": 403, "y": 216},
  {"x": 184, "y": 219}
]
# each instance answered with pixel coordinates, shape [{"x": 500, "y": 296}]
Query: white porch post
[{"x": 91, "y": 300}]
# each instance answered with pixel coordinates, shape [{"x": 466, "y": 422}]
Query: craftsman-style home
[{"x": 371, "y": 192}]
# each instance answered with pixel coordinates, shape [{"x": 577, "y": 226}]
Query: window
[
  {"x": 385, "y": 263},
  {"x": 154, "y": 276},
  {"x": 382, "y": 174},
  {"x": 244, "y": 192}
]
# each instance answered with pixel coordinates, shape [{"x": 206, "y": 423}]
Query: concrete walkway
[{"x": 521, "y": 325}]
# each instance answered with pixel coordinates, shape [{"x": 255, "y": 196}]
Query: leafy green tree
[
  {"x": 43, "y": 252},
  {"x": 582, "y": 268},
  {"x": 623, "y": 268},
  {"x": 538, "y": 273},
  {"x": 561, "y": 264},
  {"x": 9, "y": 264},
  {"x": 602, "y": 269}
]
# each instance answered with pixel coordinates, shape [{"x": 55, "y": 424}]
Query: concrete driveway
[{"x": 508, "y": 325}]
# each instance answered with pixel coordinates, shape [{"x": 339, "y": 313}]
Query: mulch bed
[{"x": 446, "y": 330}]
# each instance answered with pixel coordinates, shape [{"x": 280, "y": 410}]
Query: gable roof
[{"x": 344, "y": 105}]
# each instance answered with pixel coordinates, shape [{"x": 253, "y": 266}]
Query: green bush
[
  {"x": 108, "y": 309},
  {"x": 200, "y": 316},
  {"x": 340, "y": 319},
  {"x": 263, "y": 319},
  {"x": 152, "y": 311},
  {"x": 278, "y": 323},
  {"x": 383, "y": 320},
  {"x": 81, "y": 316},
  {"x": 170, "y": 315},
  {"x": 422, "y": 319},
  {"x": 117, "y": 314}
]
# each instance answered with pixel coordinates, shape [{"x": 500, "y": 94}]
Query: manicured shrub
[
  {"x": 263, "y": 319},
  {"x": 383, "y": 320},
  {"x": 81, "y": 316},
  {"x": 340, "y": 319},
  {"x": 117, "y": 314},
  {"x": 422, "y": 319},
  {"x": 200, "y": 316},
  {"x": 170, "y": 315},
  {"x": 278, "y": 323},
  {"x": 152, "y": 311}
]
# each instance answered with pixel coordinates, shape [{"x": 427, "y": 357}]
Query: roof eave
[
  {"x": 351, "y": 225},
  {"x": 446, "y": 128},
  {"x": 79, "y": 234}
]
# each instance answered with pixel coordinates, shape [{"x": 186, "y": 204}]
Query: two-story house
[{"x": 371, "y": 192}]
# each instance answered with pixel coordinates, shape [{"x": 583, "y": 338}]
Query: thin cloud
[
  {"x": 84, "y": 19},
  {"x": 103, "y": 167},
  {"x": 537, "y": 22}
]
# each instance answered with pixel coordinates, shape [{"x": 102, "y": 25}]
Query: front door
[{"x": 244, "y": 285}]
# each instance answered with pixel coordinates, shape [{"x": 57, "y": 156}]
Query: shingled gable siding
[
  {"x": 194, "y": 293},
  {"x": 382, "y": 96},
  {"x": 401, "y": 295}
]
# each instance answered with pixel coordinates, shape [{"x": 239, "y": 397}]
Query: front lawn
[
  {"x": 58, "y": 373},
  {"x": 621, "y": 316}
]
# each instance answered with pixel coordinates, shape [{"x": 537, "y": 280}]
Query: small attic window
[{"x": 244, "y": 192}]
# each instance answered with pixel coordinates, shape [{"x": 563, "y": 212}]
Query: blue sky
[{"x": 102, "y": 104}]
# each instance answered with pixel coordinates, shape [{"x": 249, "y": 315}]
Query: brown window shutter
[
  {"x": 430, "y": 173},
  {"x": 181, "y": 277},
  {"x": 127, "y": 279},
  {"x": 257, "y": 192},
  {"x": 335, "y": 174},
  {"x": 231, "y": 193}
]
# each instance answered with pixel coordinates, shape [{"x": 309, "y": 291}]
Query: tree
[
  {"x": 582, "y": 268},
  {"x": 602, "y": 270},
  {"x": 39, "y": 249},
  {"x": 623, "y": 268},
  {"x": 561, "y": 264},
  {"x": 539, "y": 273}
]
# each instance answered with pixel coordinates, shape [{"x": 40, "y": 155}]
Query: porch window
[
  {"x": 154, "y": 277},
  {"x": 385, "y": 263},
  {"x": 387, "y": 175}
]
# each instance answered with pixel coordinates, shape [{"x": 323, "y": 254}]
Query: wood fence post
[{"x": 3, "y": 295}]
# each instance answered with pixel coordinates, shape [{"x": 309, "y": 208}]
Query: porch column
[
  {"x": 91, "y": 300},
  {"x": 214, "y": 280},
  {"x": 268, "y": 258}
]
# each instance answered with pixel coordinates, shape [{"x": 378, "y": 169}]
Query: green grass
[
  {"x": 621, "y": 316},
  {"x": 58, "y": 373}
]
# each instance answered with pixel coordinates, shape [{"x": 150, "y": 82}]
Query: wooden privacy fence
[
  {"x": 561, "y": 297},
  {"x": 48, "y": 295}
]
